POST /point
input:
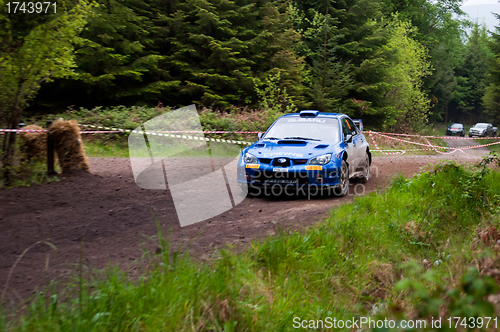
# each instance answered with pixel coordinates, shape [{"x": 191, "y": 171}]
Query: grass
[
  {"x": 340, "y": 268},
  {"x": 434, "y": 130},
  {"x": 106, "y": 147},
  {"x": 119, "y": 148},
  {"x": 28, "y": 174}
]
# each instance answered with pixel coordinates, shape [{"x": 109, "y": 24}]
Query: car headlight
[
  {"x": 321, "y": 160},
  {"x": 250, "y": 159}
]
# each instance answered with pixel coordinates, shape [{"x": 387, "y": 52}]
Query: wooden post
[{"x": 50, "y": 152}]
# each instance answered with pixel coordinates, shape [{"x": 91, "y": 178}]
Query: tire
[
  {"x": 470, "y": 135},
  {"x": 343, "y": 186},
  {"x": 366, "y": 169}
]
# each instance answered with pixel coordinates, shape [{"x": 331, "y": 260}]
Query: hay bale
[
  {"x": 68, "y": 146},
  {"x": 33, "y": 146}
]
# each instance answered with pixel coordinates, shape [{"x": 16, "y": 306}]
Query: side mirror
[
  {"x": 259, "y": 135},
  {"x": 348, "y": 138}
]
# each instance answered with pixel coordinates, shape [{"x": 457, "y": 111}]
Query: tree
[
  {"x": 330, "y": 79},
  {"x": 492, "y": 95},
  {"x": 407, "y": 105},
  {"x": 467, "y": 104},
  {"x": 30, "y": 55},
  {"x": 275, "y": 53},
  {"x": 441, "y": 30}
]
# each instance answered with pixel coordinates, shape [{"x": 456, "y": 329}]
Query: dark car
[
  {"x": 455, "y": 129},
  {"x": 482, "y": 130}
]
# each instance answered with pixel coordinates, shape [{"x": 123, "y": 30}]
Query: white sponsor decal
[
  {"x": 293, "y": 154},
  {"x": 307, "y": 120},
  {"x": 280, "y": 170}
]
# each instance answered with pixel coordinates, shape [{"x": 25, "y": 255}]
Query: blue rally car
[{"x": 307, "y": 149}]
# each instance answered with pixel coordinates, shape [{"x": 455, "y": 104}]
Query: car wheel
[
  {"x": 343, "y": 186},
  {"x": 470, "y": 135},
  {"x": 366, "y": 169}
]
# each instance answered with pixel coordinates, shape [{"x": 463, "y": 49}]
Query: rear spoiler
[{"x": 358, "y": 123}]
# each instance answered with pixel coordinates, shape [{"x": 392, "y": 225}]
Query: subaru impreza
[{"x": 309, "y": 149}]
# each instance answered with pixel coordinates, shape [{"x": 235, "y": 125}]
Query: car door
[
  {"x": 347, "y": 129},
  {"x": 359, "y": 143}
]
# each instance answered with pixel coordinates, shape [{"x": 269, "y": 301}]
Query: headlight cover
[
  {"x": 321, "y": 160},
  {"x": 250, "y": 159}
]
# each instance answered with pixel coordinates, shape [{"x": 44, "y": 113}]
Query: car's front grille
[
  {"x": 281, "y": 162},
  {"x": 281, "y": 177},
  {"x": 299, "y": 161}
]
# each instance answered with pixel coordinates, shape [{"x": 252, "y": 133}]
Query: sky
[
  {"x": 480, "y": 10},
  {"x": 479, "y": 2}
]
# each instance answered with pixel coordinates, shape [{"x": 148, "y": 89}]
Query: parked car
[
  {"x": 307, "y": 149},
  {"x": 482, "y": 130},
  {"x": 455, "y": 129}
]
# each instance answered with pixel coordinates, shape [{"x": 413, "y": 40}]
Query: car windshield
[
  {"x": 322, "y": 129},
  {"x": 456, "y": 126},
  {"x": 481, "y": 125}
]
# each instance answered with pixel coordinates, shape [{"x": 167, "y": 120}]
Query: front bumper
[
  {"x": 451, "y": 133},
  {"x": 259, "y": 175}
]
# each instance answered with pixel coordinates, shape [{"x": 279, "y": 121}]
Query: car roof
[
  {"x": 482, "y": 123},
  {"x": 332, "y": 115}
]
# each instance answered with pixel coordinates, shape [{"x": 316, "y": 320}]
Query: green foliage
[
  {"x": 32, "y": 53},
  {"x": 467, "y": 300},
  {"x": 439, "y": 28},
  {"x": 26, "y": 174},
  {"x": 43, "y": 53},
  {"x": 492, "y": 94},
  {"x": 115, "y": 116},
  {"x": 117, "y": 60},
  {"x": 329, "y": 78},
  {"x": 273, "y": 100},
  {"x": 467, "y": 104},
  {"x": 407, "y": 104},
  {"x": 330, "y": 55}
]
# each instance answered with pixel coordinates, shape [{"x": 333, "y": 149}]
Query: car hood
[
  {"x": 292, "y": 148},
  {"x": 478, "y": 128}
]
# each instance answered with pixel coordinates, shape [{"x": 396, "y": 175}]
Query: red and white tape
[
  {"x": 179, "y": 131},
  {"x": 21, "y": 131},
  {"x": 44, "y": 131},
  {"x": 430, "y": 136},
  {"x": 429, "y": 144},
  {"x": 382, "y": 151}
]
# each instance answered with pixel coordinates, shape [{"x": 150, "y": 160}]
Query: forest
[{"x": 397, "y": 64}]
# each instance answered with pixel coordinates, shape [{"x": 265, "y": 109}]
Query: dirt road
[
  {"x": 105, "y": 218},
  {"x": 465, "y": 153}
]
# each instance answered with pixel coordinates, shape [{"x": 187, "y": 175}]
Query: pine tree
[
  {"x": 471, "y": 78},
  {"x": 492, "y": 95}
]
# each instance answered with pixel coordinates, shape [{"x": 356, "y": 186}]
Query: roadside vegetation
[{"x": 412, "y": 251}]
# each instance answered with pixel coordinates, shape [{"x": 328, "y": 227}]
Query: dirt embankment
[{"x": 106, "y": 218}]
